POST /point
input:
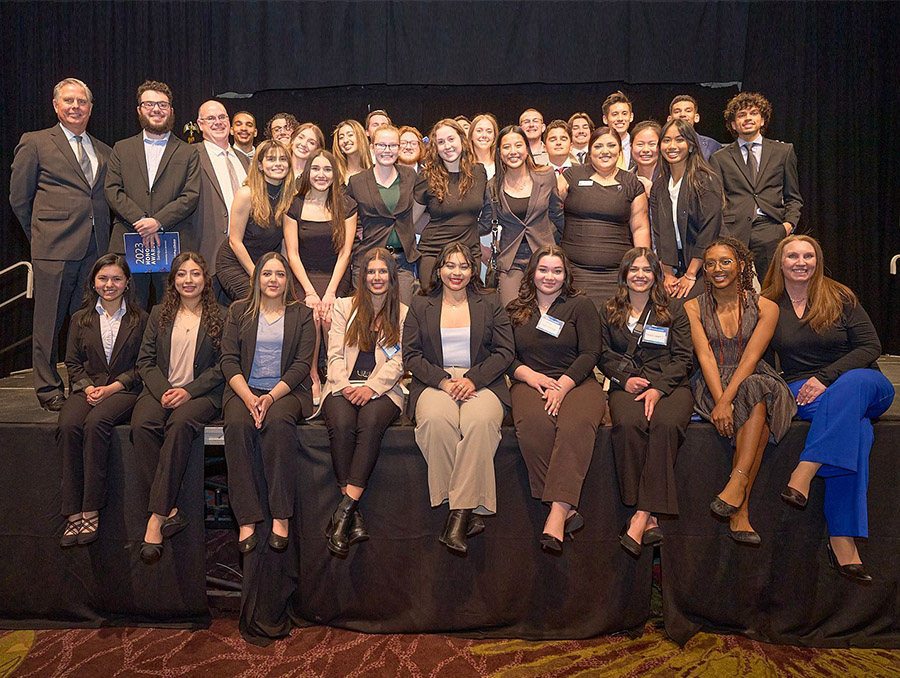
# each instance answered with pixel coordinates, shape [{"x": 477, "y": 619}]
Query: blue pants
[{"x": 840, "y": 438}]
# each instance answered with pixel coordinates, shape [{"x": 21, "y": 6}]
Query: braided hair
[{"x": 746, "y": 294}]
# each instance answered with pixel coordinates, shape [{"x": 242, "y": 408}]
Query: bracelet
[
  {"x": 691, "y": 278},
  {"x": 270, "y": 395}
]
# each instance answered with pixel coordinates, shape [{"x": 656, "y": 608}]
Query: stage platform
[{"x": 403, "y": 580}]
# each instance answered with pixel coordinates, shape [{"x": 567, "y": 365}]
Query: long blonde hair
[{"x": 260, "y": 208}]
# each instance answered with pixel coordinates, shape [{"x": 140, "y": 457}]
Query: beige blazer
[{"x": 385, "y": 380}]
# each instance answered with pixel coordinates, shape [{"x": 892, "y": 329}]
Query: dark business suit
[
  {"x": 171, "y": 201},
  {"x": 163, "y": 436},
  {"x": 276, "y": 440},
  {"x": 708, "y": 146},
  {"x": 699, "y": 223},
  {"x": 776, "y": 193},
  {"x": 210, "y": 220},
  {"x": 66, "y": 220},
  {"x": 84, "y": 430},
  {"x": 645, "y": 451}
]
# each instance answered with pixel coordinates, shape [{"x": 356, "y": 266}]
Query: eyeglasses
[
  {"x": 161, "y": 105},
  {"x": 386, "y": 147},
  {"x": 282, "y": 128},
  {"x": 210, "y": 119},
  {"x": 409, "y": 144}
]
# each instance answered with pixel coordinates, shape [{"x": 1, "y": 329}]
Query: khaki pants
[{"x": 458, "y": 441}]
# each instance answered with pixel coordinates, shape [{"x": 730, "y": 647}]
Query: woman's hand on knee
[
  {"x": 722, "y": 418},
  {"x": 811, "y": 390}
]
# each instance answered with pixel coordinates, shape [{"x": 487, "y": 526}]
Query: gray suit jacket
[
  {"x": 210, "y": 220},
  {"x": 53, "y": 201},
  {"x": 171, "y": 201}
]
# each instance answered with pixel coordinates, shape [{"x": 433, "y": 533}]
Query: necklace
[
  {"x": 797, "y": 301},
  {"x": 452, "y": 305}
]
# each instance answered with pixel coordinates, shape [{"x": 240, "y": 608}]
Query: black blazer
[
  {"x": 665, "y": 367},
  {"x": 153, "y": 362},
  {"x": 777, "y": 189},
  {"x": 239, "y": 347},
  {"x": 86, "y": 359},
  {"x": 699, "y": 219},
  {"x": 492, "y": 347},
  {"x": 373, "y": 216}
]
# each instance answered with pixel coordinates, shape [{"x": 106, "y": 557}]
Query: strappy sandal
[
  {"x": 89, "y": 530},
  {"x": 70, "y": 535}
]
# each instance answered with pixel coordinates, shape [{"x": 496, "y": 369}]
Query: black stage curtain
[
  {"x": 104, "y": 584},
  {"x": 783, "y": 591},
  {"x": 404, "y": 581}
]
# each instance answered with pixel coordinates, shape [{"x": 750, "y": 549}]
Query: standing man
[
  {"x": 618, "y": 114},
  {"x": 376, "y": 119},
  {"x": 243, "y": 128},
  {"x": 222, "y": 171},
  {"x": 684, "y": 106},
  {"x": 759, "y": 175},
  {"x": 56, "y": 193},
  {"x": 558, "y": 142},
  {"x": 581, "y": 125},
  {"x": 280, "y": 128},
  {"x": 153, "y": 183},
  {"x": 532, "y": 123}
]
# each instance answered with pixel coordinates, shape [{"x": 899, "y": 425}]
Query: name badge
[
  {"x": 586, "y": 182},
  {"x": 656, "y": 335},
  {"x": 391, "y": 351},
  {"x": 550, "y": 325}
]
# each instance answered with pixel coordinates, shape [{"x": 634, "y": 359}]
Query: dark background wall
[{"x": 829, "y": 70}]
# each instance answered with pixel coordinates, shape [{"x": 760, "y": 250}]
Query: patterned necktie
[
  {"x": 232, "y": 175},
  {"x": 84, "y": 160},
  {"x": 751, "y": 163}
]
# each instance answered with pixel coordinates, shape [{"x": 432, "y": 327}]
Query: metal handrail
[
  {"x": 29, "y": 282},
  {"x": 894, "y": 261}
]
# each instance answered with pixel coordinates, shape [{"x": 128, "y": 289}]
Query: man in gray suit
[
  {"x": 222, "y": 171},
  {"x": 153, "y": 183},
  {"x": 56, "y": 193}
]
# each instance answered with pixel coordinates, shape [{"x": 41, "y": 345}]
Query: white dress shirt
[
  {"x": 88, "y": 146},
  {"x": 153, "y": 152},
  {"x": 109, "y": 327},
  {"x": 218, "y": 156}
]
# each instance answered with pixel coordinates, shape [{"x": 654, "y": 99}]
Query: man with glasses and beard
[{"x": 153, "y": 183}]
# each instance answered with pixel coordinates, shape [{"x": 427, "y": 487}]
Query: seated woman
[
  {"x": 557, "y": 404},
  {"x": 179, "y": 365},
  {"x": 103, "y": 343},
  {"x": 350, "y": 146},
  {"x": 689, "y": 188},
  {"x": 828, "y": 350},
  {"x": 458, "y": 343},
  {"x": 647, "y": 355},
  {"x": 267, "y": 348},
  {"x": 362, "y": 395},
  {"x": 735, "y": 388},
  {"x": 257, "y": 213}
]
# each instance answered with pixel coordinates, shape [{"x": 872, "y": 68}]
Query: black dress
[
  {"x": 317, "y": 251},
  {"x": 257, "y": 240},
  {"x": 598, "y": 229}
]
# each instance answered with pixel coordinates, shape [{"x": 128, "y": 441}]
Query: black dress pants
[
  {"x": 263, "y": 461},
  {"x": 355, "y": 432},
  {"x": 82, "y": 436},
  {"x": 168, "y": 436}
]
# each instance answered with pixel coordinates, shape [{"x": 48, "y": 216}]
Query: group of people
[{"x": 649, "y": 258}]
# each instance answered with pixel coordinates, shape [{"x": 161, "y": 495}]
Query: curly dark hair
[
  {"x": 155, "y": 86},
  {"x": 171, "y": 302},
  {"x": 747, "y": 100},
  {"x": 618, "y": 306},
  {"x": 525, "y": 305}
]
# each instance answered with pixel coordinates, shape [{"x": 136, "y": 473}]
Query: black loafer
[
  {"x": 652, "y": 536},
  {"x": 173, "y": 525},
  {"x": 792, "y": 497},
  {"x": 628, "y": 543},
  {"x": 248, "y": 544},
  {"x": 55, "y": 404},
  {"x": 278, "y": 543},
  {"x": 151, "y": 553}
]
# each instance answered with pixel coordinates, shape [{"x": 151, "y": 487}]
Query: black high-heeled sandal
[
  {"x": 855, "y": 571},
  {"x": 70, "y": 534},
  {"x": 89, "y": 530}
]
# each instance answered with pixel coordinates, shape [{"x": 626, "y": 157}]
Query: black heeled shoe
[
  {"x": 475, "y": 526},
  {"x": 454, "y": 536},
  {"x": 652, "y": 536},
  {"x": 628, "y": 543},
  {"x": 339, "y": 541},
  {"x": 173, "y": 525},
  {"x": 247, "y": 544},
  {"x": 792, "y": 497},
  {"x": 551, "y": 544},
  {"x": 151, "y": 553},
  {"x": 573, "y": 523},
  {"x": 358, "y": 531},
  {"x": 70, "y": 534},
  {"x": 88, "y": 531},
  {"x": 855, "y": 571}
]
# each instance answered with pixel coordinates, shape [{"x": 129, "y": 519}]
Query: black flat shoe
[
  {"x": 70, "y": 534},
  {"x": 358, "y": 531},
  {"x": 551, "y": 544},
  {"x": 454, "y": 536},
  {"x": 794, "y": 498},
  {"x": 855, "y": 571},
  {"x": 173, "y": 525},
  {"x": 248, "y": 543},
  {"x": 278, "y": 543},
  {"x": 151, "y": 553},
  {"x": 476, "y": 526},
  {"x": 55, "y": 404},
  {"x": 573, "y": 523},
  {"x": 652, "y": 536},
  {"x": 88, "y": 531},
  {"x": 722, "y": 508},
  {"x": 746, "y": 537},
  {"x": 628, "y": 543}
]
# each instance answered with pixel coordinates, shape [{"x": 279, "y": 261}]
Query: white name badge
[
  {"x": 390, "y": 351},
  {"x": 654, "y": 334},
  {"x": 586, "y": 182},
  {"x": 550, "y": 325}
]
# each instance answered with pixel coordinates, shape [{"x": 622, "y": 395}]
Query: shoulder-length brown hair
[
  {"x": 619, "y": 306},
  {"x": 334, "y": 201},
  {"x": 435, "y": 170},
  {"x": 209, "y": 307},
  {"x": 825, "y": 298},
  {"x": 525, "y": 305},
  {"x": 260, "y": 206},
  {"x": 491, "y": 119},
  {"x": 288, "y": 297},
  {"x": 365, "y": 328},
  {"x": 89, "y": 299},
  {"x": 436, "y": 285}
]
